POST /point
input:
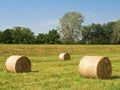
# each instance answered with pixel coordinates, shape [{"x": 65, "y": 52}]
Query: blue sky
[{"x": 42, "y": 15}]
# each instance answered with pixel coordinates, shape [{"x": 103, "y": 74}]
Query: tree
[
  {"x": 23, "y": 35},
  {"x": 86, "y": 35},
  {"x": 53, "y": 37},
  {"x": 40, "y": 38},
  {"x": 27, "y": 36},
  {"x": 17, "y": 39},
  {"x": 70, "y": 27},
  {"x": 1, "y": 37},
  {"x": 108, "y": 29},
  {"x": 98, "y": 33},
  {"x": 93, "y": 34},
  {"x": 7, "y": 36},
  {"x": 116, "y": 33}
]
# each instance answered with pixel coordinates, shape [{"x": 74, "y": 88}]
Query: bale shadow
[
  {"x": 35, "y": 71},
  {"x": 115, "y": 77}
]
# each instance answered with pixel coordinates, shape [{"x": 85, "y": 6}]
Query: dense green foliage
[
  {"x": 21, "y": 35},
  {"x": 51, "y": 38},
  {"x": 50, "y": 73},
  {"x": 98, "y": 34}
]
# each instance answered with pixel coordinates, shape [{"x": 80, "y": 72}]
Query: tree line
[
  {"x": 70, "y": 31},
  {"x": 99, "y": 33},
  {"x": 22, "y": 35},
  {"x": 107, "y": 33}
]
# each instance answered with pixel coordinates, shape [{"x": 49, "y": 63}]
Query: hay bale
[
  {"x": 64, "y": 56},
  {"x": 95, "y": 67},
  {"x": 18, "y": 64}
]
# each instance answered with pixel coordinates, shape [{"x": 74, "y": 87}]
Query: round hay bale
[
  {"x": 64, "y": 56},
  {"x": 95, "y": 67},
  {"x": 18, "y": 64}
]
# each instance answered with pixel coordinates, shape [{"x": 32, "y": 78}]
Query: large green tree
[
  {"x": 28, "y": 36},
  {"x": 7, "y": 36},
  {"x": 108, "y": 29},
  {"x": 1, "y": 37},
  {"x": 40, "y": 38},
  {"x": 98, "y": 33},
  {"x": 70, "y": 27},
  {"x": 53, "y": 37},
  {"x": 23, "y": 35}
]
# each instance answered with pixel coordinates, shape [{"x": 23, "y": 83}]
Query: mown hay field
[{"x": 50, "y": 73}]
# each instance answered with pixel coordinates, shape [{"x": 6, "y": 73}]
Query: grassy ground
[{"x": 49, "y": 73}]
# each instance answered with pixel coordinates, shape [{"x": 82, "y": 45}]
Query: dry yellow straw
[
  {"x": 64, "y": 56},
  {"x": 18, "y": 64},
  {"x": 95, "y": 67}
]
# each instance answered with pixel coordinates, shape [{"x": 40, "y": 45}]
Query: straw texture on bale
[
  {"x": 18, "y": 64},
  {"x": 95, "y": 67},
  {"x": 64, "y": 56}
]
